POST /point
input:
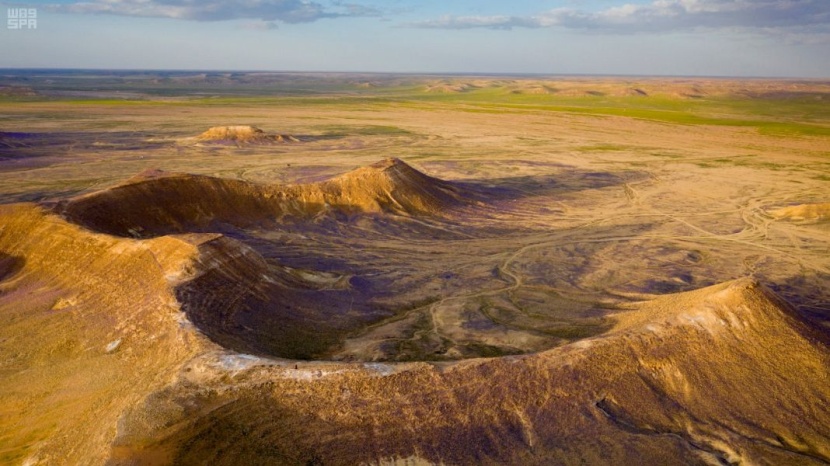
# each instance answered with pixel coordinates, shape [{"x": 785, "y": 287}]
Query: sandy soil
[{"x": 525, "y": 285}]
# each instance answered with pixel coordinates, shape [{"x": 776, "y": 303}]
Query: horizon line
[{"x": 408, "y": 73}]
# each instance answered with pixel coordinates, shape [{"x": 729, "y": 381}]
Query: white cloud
[
  {"x": 659, "y": 15},
  {"x": 268, "y": 11},
  {"x": 470, "y": 22},
  {"x": 259, "y": 25}
]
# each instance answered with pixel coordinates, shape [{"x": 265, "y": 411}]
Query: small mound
[
  {"x": 807, "y": 213},
  {"x": 242, "y": 134},
  {"x": 390, "y": 186}
]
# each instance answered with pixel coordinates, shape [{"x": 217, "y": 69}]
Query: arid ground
[{"x": 254, "y": 268}]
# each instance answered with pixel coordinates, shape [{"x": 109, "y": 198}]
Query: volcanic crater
[
  {"x": 569, "y": 287},
  {"x": 256, "y": 289}
]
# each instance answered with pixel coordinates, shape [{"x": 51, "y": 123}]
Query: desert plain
[{"x": 289, "y": 268}]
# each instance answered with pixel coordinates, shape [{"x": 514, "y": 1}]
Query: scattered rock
[{"x": 113, "y": 346}]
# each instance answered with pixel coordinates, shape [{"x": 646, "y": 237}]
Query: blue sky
[{"x": 788, "y": 38}]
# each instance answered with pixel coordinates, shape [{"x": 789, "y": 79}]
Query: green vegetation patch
[
  {"x": 779, "y": 117},
  {"x": 604, "y": 148},
  {"x": 363, "y": 130}
]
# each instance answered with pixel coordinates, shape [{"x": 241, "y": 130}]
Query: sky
[{"x": 763, "y": 38}]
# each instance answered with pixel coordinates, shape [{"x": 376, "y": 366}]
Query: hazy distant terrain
[{"x": 266, "y": 268}]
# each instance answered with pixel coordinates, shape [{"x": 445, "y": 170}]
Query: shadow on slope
[
  {"x": 10, "y": 265},
  {"x": 563, "y": 181},
  {"x": 809, "y": 294},
  {"x": 241, "y": 302}
]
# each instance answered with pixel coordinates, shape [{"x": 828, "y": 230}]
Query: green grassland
[
  {"x": 794, "y": 114},
  {"x": 785, "y": 117}
]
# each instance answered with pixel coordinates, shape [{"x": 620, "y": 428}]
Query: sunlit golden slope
[
  {"x": 387, "y": 186},
  {"x": 723, "y": 375},
  {"x": 100, "y": 365},
  {"x": 157, "y": 203},
  {"x": 88, "y": 325},
  {"x": 241, "y": 135}
]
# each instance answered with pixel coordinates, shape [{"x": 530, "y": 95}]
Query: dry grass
[{"x": 598, "y": 256}]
